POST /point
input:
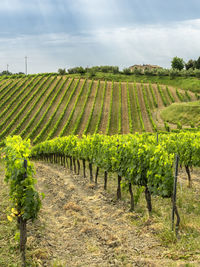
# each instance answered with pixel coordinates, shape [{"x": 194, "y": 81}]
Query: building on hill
[{"x": 144, "y": 67}]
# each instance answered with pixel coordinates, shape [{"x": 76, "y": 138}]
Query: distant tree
[
  {"x": 197, "y": 64},
  {"x": 177, "y": 63},
  {"x": 127, "y": 71},
  {"x": 190, "y": 64},
  {"x": 62, "y": 71}
]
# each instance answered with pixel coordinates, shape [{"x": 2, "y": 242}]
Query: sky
[{"x": 57, "y": 34}]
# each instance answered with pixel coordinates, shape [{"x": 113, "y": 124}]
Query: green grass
[
  {"x": 191, "y": 83},
  {"x": 185, "y": 113}
]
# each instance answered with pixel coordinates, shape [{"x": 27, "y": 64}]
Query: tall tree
[{"x": 177, "y": 63}]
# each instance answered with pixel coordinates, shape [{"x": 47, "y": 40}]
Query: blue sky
[{"x": 62, "y": 33}]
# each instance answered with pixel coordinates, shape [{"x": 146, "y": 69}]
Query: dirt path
[{"x": 83, "y": 226}]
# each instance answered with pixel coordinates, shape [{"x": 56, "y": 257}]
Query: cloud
[{"x": 122, "y": 46}]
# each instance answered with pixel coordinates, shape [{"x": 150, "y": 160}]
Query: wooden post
[
  {"x": 96, "y": 176},
  {"x": 91, "y": 175},
  {"x": 119, "y": 196},
  {"x": 174, "y": 207},
  {"x": 105, "y": 180}
]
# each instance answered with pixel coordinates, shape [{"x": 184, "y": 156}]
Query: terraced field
[{"x": 42, "y": 107}]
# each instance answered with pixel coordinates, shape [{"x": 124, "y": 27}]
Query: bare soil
[{"x": 80, "y": 225}]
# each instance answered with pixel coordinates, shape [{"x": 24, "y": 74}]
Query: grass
[
  {"x": 185, "y": 113},
  {"x": 190, "y": 83},
  {"x": 186, "y": 246}
]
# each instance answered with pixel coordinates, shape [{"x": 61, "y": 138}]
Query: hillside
[{"x": 41, "y": 107}]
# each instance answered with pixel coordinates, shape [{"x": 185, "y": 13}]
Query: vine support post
[
  {"x": 84, "y": 175},
  {"x": 148, "y": 199},
  {"x": 78, "y": 163},
  {"x": 74, "y": 162},
  {"x": 119, "y": 196},
  {"x": 105, "y": 180},
  {"x": 70, "y": 158},
  {"x": 132, "y": 197},
  {"x": 174, "y": 207},
  {"x": 96, "y": 175},
  {"x": 91, "y": 175}
]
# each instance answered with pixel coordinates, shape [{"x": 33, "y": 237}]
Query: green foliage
[
  {"x": 101, "y": 108},
  {"x": 179, "y": 125},
  {"x": 177, "y": 63},
  {"x": 25, "y": 199},
  {"x": 127, "y": 71},
  {"x": 136, "y": 157},
  {"x": 110, "y": 110},
  {"x": 92, "y": 110},
  {"x": 129, "y": 110},
  {"x": 61, "y": 71},
  {"x": 120, "y": 109},
  {"x": 138, "y": 108},
  {"x": 148, "y": 108},
  {"x": 162, "y": 95}
]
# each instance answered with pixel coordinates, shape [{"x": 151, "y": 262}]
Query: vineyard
[
  {"x": 112, "y": 133},
  {"x": 43, "y": 107}
]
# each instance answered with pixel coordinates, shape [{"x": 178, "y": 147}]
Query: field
[
  {"x": 42, "y": 107},
  {"x": 81, "y": 223}
]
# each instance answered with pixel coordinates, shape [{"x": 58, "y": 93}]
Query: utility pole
[
  {"x": 7, "y": 68},
  {"x": 26, "y": 65}
]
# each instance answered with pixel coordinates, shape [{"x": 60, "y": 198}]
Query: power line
[{"x": 26, "y": 65}]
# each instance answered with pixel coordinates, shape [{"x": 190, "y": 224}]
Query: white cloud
[{"x": 115, "y": 46}]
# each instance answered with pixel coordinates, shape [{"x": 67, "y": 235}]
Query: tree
[
  {"x": 177, "y": 63},
  {"x": 197, "y": 64},
  {"x": 62, "y": 71},
  {"x": 190, "y": 64}
]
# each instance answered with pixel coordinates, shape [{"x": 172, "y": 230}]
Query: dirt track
[{"x": 83, "y": 226}]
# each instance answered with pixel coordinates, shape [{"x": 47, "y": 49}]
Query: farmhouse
[{"x": 144, "y": 67}]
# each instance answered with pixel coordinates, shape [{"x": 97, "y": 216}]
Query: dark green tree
[
  {"x": 62, "y": 71},
  {"x": 177, "y": 63},
  {"x": 190, "y": 64}
]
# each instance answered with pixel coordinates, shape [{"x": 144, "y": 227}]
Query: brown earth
[{"x": 80, "y": 225}]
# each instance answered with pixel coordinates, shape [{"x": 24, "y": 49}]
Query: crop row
[
  {"x": 78, "y": 120},
  {"x": 73, "y": 109},
  {"x": 39, "y": 123},
  {"x": 47, "y": 125},
  {"x": 92, "y": 109},
  {"x": 148, "y": 109},
  {"x": 30, "y": 123},
  {"x": 19, "y": 104},
  {"x": 110, "y": 110},
  {"x": 129, "y": 109},
  {"x": 101, "y": 108},
  {"x": 138, "y": 108}
]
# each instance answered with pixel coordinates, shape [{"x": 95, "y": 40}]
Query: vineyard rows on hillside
[{"x": 43, "y": 107}]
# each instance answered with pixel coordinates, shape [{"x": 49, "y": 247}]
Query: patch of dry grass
[{"x": 72, "y": 206}]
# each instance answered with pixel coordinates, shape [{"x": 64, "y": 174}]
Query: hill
[{"x": 41, "y": 107}]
